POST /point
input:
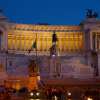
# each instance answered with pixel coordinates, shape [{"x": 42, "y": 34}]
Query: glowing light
[
  {"x": 34, "y": 99},
  {"x": 31, "y": 99},
  {"x": 31, "y": 94},
  {"x": 37, "y": 93},
  {"x": 69, "y": 93},
  {"x": 38, "y": 78},
  {"x": 53, "y": 55},
  {"x": 55, "y": 97},
  {"x": 89, "y": 98}
]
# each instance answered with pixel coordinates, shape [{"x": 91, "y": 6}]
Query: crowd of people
[
  {"x": 11, "y": 93},
  {"x": 49, "y": 93}
]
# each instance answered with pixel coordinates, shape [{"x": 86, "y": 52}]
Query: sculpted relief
[
  {"x": 76, "y": 68},
  {"x": 18, "y": 66}
]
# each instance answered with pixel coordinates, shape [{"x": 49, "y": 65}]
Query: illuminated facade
[
  {"x": 21, "y": 37},
  {"x": 77, "y": 49}
]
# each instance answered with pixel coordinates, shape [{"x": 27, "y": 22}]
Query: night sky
[{"x": 69, "y": 12}]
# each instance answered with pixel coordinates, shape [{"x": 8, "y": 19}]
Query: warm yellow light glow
[
  {"x": 31, "y": 94},
  {"x": 38, "y": 78},
  {"x": 37, "y": 93},
  {"x": 70, "y": 38},
  {"x": 16, "y": 85},
  {"x": 89, "y": 98},
  {"x": 32, "y": 83},
  {"x": 31, "y": 99},
  {"x": 34, "y": 99},
  {"x": 69, "y": 93},
  {"x": 55, "y": 97}
]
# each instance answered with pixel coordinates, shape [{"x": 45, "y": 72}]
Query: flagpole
[
  {"x": 37, "y": 74},
  {"x": 36, "y": 56},
  {"x": 36, "y": 46}
]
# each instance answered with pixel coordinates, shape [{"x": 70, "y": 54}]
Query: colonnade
[{"x": 67, "y": 41}]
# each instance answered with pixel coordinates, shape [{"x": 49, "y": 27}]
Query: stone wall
[{"x": 65, "y": 67}]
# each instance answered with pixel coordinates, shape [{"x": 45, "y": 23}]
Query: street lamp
[{"x": 69, "y": 93}]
